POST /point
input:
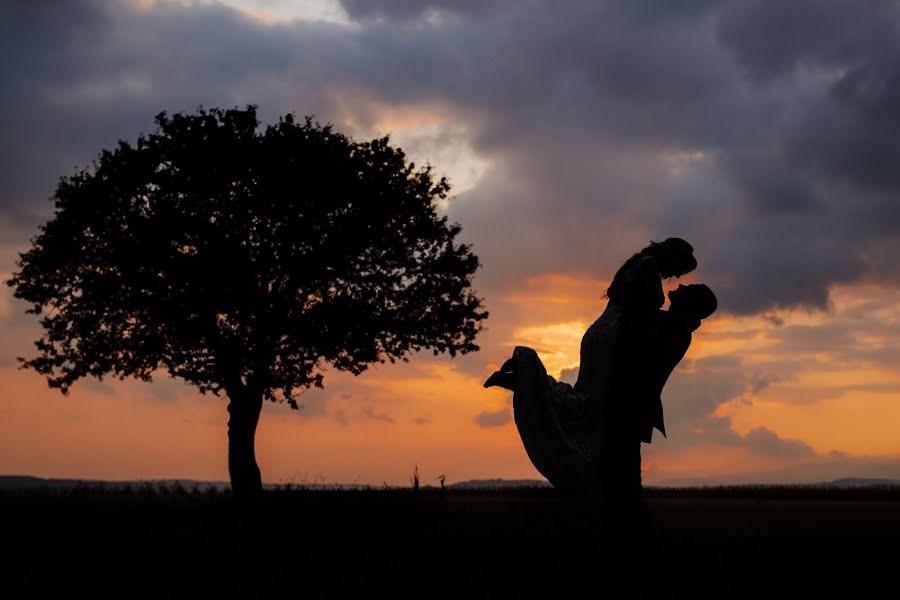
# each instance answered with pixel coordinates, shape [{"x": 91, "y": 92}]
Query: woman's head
[
  {"x": 696, "y": 299},
  {"x": 674, "y": 256},
  {"x": 637, "y": 283}
]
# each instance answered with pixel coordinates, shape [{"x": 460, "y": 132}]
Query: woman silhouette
[{"x": 588, "y": 437}]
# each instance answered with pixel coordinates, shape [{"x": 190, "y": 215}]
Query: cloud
[
  {"x": 739, "y": 368},
  {"x": 370, "y": 413},
  {"x": 638, "y": 121},
  {"x": 97, "y": 386},
  {"x": 806, "y": 34},
  {"x": 692, "y": 399},
  {"x": 569, "y": 376},
  {"x": 341, "y": 417},
  {"x": 766, "y": 442},
  {"x": 760, "y": 381},
  {"x": 167, "y": 389},
  {"x": 341, "y": 397},
  {"x": 406, "y": 10},
  {"x": 494, "y": 418}
]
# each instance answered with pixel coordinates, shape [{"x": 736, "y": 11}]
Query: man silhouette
[
  {"x": 649, "y": 351},
  {"x": 650, "y": 348}
]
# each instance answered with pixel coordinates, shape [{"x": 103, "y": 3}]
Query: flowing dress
[
  {"x": 566, "y": 429},
  {"x": 588, "y": 437}
]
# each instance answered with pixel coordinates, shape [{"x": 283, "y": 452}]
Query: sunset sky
[{"x": 573, "y": 132}]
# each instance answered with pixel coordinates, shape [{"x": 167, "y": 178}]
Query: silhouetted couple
[{"x": 588, "y": 437}]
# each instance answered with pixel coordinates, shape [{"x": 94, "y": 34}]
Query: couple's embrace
[{"x": 588, "y": 437}]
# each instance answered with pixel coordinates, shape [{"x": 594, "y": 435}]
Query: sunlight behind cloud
[
  {"x": 558, "y": 344},
  {"x": 273, "y": 11},
  {"x": 426, "y": 135}
]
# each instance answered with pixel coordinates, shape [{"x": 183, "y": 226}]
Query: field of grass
[{"x": 732, "y": 542}]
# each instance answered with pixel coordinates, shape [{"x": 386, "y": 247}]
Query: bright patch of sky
[
  {"x": 444, "y": 146},
  {"x": 286, "y": 10}
]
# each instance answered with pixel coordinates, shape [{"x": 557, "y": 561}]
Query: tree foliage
[{"x": 240, "y": 258}]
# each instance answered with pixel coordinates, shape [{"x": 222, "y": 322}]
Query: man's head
[{"x": 696, "y": 299}]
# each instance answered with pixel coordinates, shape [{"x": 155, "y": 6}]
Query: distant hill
[
  {"x": 498, "y": 484},
  {"x": 852, "y": 482},
  {"x": 845, "y": 482},
  {"x": 26, "y": 482},
  {"x": 842, "y": 483}
]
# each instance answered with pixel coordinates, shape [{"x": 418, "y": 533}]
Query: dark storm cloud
[
  {"x": 772, "y": 39},
  {"x": 858, "y": 142},
  {"x": 764, "y": 132},
  {"x": 770, "y": 188},
  {"x": 84, "y": 74},
  {"x": 781, "y": 263},
  {"x": 780, "y": 202},
  {"x": 404, "y": 10}
]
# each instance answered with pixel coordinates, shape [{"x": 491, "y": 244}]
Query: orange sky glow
[{"x": 433, "y": 413}]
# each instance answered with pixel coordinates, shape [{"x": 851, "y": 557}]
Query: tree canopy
[
  {"x": 246, "y": 259},
  {"x": 215, "y": 252}
]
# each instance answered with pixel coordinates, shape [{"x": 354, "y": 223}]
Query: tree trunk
[{"x": 246, "y": 481}]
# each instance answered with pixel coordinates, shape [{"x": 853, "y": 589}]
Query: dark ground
[{"x": 724, "y": 543}]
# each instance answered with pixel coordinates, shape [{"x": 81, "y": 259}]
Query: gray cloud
[
  {"x": 695, "y": 392},
  {"x": 763, "y": 132},
  {"x": 858, "y": 144},
  {"x": 760, "y": 381},
  {"x": 697, "y": 389},
  {"x": 370, "y": 413},
  {"x": 333, "y": 401},
  {"x": 340, "y": 417},
  {"x": 167, "y": 390},
  {"x": 772, "y": 39},
  {"x": 494, "y": 418},
  {"x": 767, "y": 443},
  {"x": 569, "y": 376},
  {"x": 98, "y": 387},
  {"x": 406, "y": 10}
]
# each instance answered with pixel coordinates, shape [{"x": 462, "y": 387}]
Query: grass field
[{"x": 733, "y": 542}]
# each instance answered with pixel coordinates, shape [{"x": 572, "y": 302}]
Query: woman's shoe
[
  {"x": 505, "y": 380},
  {"x": 505, "y": 377}
]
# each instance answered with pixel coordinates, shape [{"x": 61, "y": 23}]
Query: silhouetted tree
[{"x": 245, "y": 260}]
